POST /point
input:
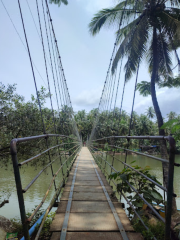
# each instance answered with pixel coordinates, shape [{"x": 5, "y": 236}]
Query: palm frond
[
  {"x": 133, "y": 47},
  {"x": 59, "y": 2},
  {"x": 123, "y": 32},
  {"x": 164, "y": 57},
  {"x": 144, "y": 88},
  {"x": 170, "y": 82},
  {"x": 169, "y": 22},
  {"x": 133, "y": 4},
  {"x": 110, "y": 16}
]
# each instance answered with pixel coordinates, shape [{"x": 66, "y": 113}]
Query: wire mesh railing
[
  {"x": 109, "y": 146},
  {"x": 64, "y": 153}
]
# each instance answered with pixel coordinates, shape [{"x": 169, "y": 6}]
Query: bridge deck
[{"x": 86, "y": 210}]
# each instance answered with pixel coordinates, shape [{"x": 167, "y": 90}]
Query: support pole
[{"x": 170, "y": 188}]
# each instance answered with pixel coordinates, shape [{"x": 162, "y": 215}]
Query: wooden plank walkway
[{"x": 85, "y": 212}]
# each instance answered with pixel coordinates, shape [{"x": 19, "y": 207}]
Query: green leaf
[
  {"x": 132, "y": 162},
  {"x": 156, "y": 195},
  {"x": 113, "y": 175},
  {"x": 123, "y": 177},
  {"x": 169, "y": 124},
  {"x": 138, "y": 204}
]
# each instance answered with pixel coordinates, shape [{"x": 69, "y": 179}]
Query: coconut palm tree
[
  {"x": 144, "y": 87},
  {"x": 59, "y": 2},
  {"x": 150, "y": 112},
  {"x": 150, "y": 30},
  {"x": 148, "y": 34},
  {"x": 172, "y": 115}
]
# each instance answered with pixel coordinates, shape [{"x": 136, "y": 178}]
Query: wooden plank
[
  {"x": 85, "y": 170},
  {"x": 90, "y": 222},
  {"x": 85, "y": 196},
  {"x": 85, "y": 164},
  {"x": 85, "y": 183},
  {"x": 84, "y": 174},
  {"x": 89, "y": 206},
  {"x": 88, "y": 177},
  {"x": 96, "y": 236},
  {"x": 88, "y": 189},
  {"x": 85, "y": 177}
]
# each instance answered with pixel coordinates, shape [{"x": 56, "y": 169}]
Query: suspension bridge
[{"x": 88, "y": 202}]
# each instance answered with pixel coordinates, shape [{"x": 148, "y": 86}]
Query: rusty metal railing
[
  {"x": 21, "y": 191},
  {"x": 94, "y": 146}
]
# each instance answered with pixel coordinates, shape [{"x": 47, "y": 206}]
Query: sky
[{"x": 85, "y": 58}]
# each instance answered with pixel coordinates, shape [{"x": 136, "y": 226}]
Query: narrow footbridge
[{"x": 88, "y": 209}]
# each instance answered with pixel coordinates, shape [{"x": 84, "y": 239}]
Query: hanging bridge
[{"x": 90, "y": 205}]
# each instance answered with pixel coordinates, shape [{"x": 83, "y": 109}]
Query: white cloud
[
  {"x": 89, "y": 98},
  {"x": 168, "y": 100}
]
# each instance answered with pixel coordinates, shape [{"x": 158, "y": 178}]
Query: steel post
[
  {"x": 170, "y": 188},
  {"x": 112, "y": 163},
  {"x": 19, "y": 189}
]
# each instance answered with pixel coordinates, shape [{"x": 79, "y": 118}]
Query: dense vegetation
[{"x": 21, "y": 119}]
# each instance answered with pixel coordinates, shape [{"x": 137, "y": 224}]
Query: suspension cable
[
  {"x": 47, "y": 75},
  {"x": 44, "y": 131}
]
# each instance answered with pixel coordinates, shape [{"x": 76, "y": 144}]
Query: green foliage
[
  {"x": 21, "y": 119},
  {"x": 141, "y": 184},
  {"x": 59, "y": 2},
  {"x": 150, "y": 112},
  {"x": 43, "y": 95},
  {"x": 150, "y": 31},
  {"x": 85, "y": 122},
  {"x": 157, "y": 230},
  {"x": 144, "y": 87},
  {"x": 45, "y": 234},
  {"x": 173, "y": 127},
  {"x": 135, "y": 38}
]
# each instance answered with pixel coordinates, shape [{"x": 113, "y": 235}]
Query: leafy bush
[
  {"x": 45, "y": 234},
  {"x": 143, "y": 186},
  {"x": 157, "y": 230}
]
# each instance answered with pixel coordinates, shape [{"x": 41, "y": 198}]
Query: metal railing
[
  {"x": 97, "y": 153},
  {"x": 71, "y": 152}
]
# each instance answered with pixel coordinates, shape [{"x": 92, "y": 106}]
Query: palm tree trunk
[{"x": 163, "y": 147}]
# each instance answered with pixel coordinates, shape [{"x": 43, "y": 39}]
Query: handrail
[
  {"x": 149, "y": 179},
  {"x": 40, "y": 154},
  {"x": 47, "y": 192},
  {"x": 93, "y": 145},
  {"x": 17, "y": 165},
  {"x": 38, "y": 175},
  {"x": 48, "y": 210},
  {"x": 137, "y": 137},
  {"x": 26, "y": 139},
  {"x": 138, "y": 153}
]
